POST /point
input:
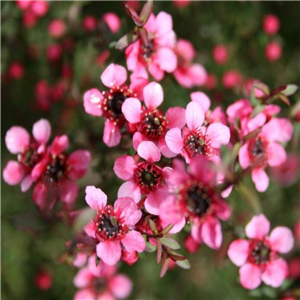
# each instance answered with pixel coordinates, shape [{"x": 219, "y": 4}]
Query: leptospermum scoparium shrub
[{"x": 179, "y": 166}]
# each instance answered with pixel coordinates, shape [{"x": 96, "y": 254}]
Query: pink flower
[
  {"x": 181, "y": 3},
  {"x": 54, "y": 52},
  {"x": 271, "y": 24},
  {"x": 101, "y": 282},
  {"x": 40, "y": 8},
  {"x": 43, "y": 280},
  {"x": 30, "y": 152},
  {"x": 196, "y": 139},
  {"x": 211, "y": 81},
  {"x": 150, "y": 122},
  {"x": 265, "y": 149},
  {"x": 196, "y": 200},
  {"x": 220, "y": 54},
  {"x": 258, "y": 256},
  {"x": 273, "y": 51},
  {"x": 89, "y": 23},
  {"x": 113, "y": 226},
  {"x": 16, "y": 70},
  {"x": 109, "y": 103},
  {"x": 143, "y": 177},
  {"x": 158, "y": 56},
  {"x": 186, "y": 73},
  {"x": 56, "y": 174},
  {"x": 231, "y": 79},
  {"x": 112, "y": 21},
  {"x": 57, "y": 28}
]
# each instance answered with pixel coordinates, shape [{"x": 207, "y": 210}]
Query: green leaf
[
  {"x": 170, "y": 243},
  {"x": 97, "y": 260},
  {"x": 165, "y": 267},
  {"x": 85, "y": 216},
  {"x": 146, "y": 11},
  {"x": 152, "y": 225},
  {"x": 126, "y": 40},
  {"x": 258, "y": 109},
  {"x": 149, "y": 247},
  {"x": 184, "y": 264},
  {"x": 283, "y": 98},
  {"x": 262, "y": 87},
  {"x": 167, "y": 229},
  {"x": 290, "y": 89}
]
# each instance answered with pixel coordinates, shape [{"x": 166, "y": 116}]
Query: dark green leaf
[{"x": 170, "y": 243}]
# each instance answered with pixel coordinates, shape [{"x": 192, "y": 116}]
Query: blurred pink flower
[
  {"x": 54, "y": 52},
  {"x": 89, "y": 23},
  {"x": 220, "y": 54},
  {"x": 273, "y": 51},
  {"x": 112, "y": 21},
  {"x": 231, "y": 79},
  {"x": 271, "y": 24},
  {"x": 43, "y": 280},
  {"x": 16, "y": 70},
  {"x": 57, "y": 28}
]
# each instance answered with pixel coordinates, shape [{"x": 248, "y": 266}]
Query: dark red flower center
[
  {"x": 109, "y": 225},
  {"x": 196, "y": 143},
  {"x": 99, "y": 284},
  {"x": 260, "y": 252},
  {"x": 153, "y": 124},
  {"x": 148, "y": 177},
  {"x": 257, "y": 152},
  {"x": 29, "y": 158},
  {"x": 56, "y": 168},
  {"x": 146, "y": 51},
  {"x": 113, "y": 101}
]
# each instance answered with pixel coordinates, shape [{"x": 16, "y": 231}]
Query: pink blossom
[
  {"x": 57, "y": 28},
  {"x": 231, "y": 79},
  {"x": 29, "y": 19},
  {"x": 220, "y": 54},
  {"x": 258, "y": 256},
  {"x": 101, "y": 282},
  {"x": 40, "y": 8},
  {"x": 294, "y": 268},
  {"x": 54, "y": 52},
  {"x": 158, "y": 56},
  {"x": 271, "y": 24},
  {"x": 273, "y": 51},
  {"x": 143, "y": 178},
  {"x": 181, "y": 3},
  {"x": 23, "y": 4},
  {"x": 16, "y": 70},
  {"x": 190, "y": 244},
  {"x": 112, "y": 227},
  {"x": 211, "y": 81},
  {"x": 112, "y": 21},
  {"x": 196, "y": 139},
  {"x": 89, "y": 23},
  {"x": 196, "y": 200}
]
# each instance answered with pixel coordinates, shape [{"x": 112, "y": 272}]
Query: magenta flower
[
  {"x": 109, "y": 103},
  {"x": 56, "y": 172},
  {"x": 258, "y": 257},
  {"x": 265, "y": 149},
  {"x": 158, "y": 56},
  {"x": 101, "y": 282},
  {"x": 143, "y": 177},
  {"x": 30, "y": 152},
  {"x": 196, "y": 139},
  {"x": 196, "y": 200},
  {"x": 113, "y": 225},
  {"x": 149, "y": 121}
]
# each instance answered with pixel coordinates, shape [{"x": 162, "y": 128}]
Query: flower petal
[
  {"x": 174, "y": 140},
  {"x": 59, "y": 144},
  {"x": 111, "y": 135},
  {"x": 250, "y": 276},
  {"x": 238, "y": 252},
  {"x": 26, "y": 183},
  {"x": 211, "y": 232},
  {"x": 124, "y": 167},
  {"x": 92, "y": 100},
  {"x": 202, "y": 99},
  {"x": 109, "y": 252},
  {"x": 114, "y": 74},
  {"x": 42, "y": 131},
  {"x": 153, "y": 95},
  {"x": 166, "y": 59},
  {"x": 120, "y": 285},
  {"x": 194, "y": 115},
  {"x": 128, "y": 209},
  {"x": 276, "y": 154},
  {"x": 68, "y": 191},
  {"x": 175, "y": 117},
  {"x": 244, "y": 158},
  {"x": 131, "y": 109},
  {"x": 83, "y": 278},
  {"x": 17, "y": 139},
  {"x": 260, "y": 179},
  {"x": 219, "y": 134},
  {"x": 154, "y": 200},
  {"x": 281, "y": 239},
  {"x": 148, "y": 151},
  {"x": 258, "y": 227},
  {"x": 130, "y": 189},
  {"x": 13, "y": 172},
  {"x": 276, "y": 271},
  {"x": 133, "y": 241},
  {"x": 78, "y": 161},
  {"x": 95, "y": 198}
]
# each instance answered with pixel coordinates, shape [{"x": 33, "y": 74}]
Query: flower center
[
  {"x": 99, "y": 284},
  {"x": 198, "y": 199},
  {"x": 260, "y": 252},
  {"x": 109, "y": 225},
  {"x": 153, "y": 124},
  {"x": 30, "y": 157},
  {"x": 257, "y": 152},
  {"x": 113, "y": 101},
  {"x": 146, "y": 51},
  {"x": 196, "y": 143},
  {"x": 56, "y": 168},
  {"x": 148, "y": 177}
]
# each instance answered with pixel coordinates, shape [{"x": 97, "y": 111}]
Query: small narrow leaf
[
  {"x": 167, "y": 229},
  {"x": 144, "y": 35},
  {"x": 184, "y": 264},
  {"x": 258, "y": 109},
  {"x": 126, "y": 40},
  {"x": 165, "y": 267},
  {"x": 146, "y": 11},
  {"x": 262, "y": 87},
  {"x": 251, "y": 135},
  {"x": 170, "y": 243},
  {"x": 250, "y": 196},
  {"x": 159, "y": 251},
  {"x": 133, "y": 15},
  {"x": 149, "y": 247},
  {"x": 86, "y": 215},
  {"x": 97, "y": 261},
  {"x": 283, "y": 98},
  {"x": 290, "y": 89},
  {"x": 152, "y": 225}
]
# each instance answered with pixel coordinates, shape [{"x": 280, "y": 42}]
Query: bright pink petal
[
  {"x": 109, "y": 252},
  {"x": 221, "y": 209},
  {"x": 92, "y": 100},
  {"x": 198, "y": 74},
  {"x": 244, "y": 158},
  {"x": 85, "y": 294},
  {"x": 258, "y": 227},
  {"x": 129, "y": 210},
  {"x": 130, "y": 189},
  {"x": 133, "y": 241},
  {"x": 42, "y": 131},
  {"x": 169, "y": 212},
  {"x": 153, "y": 95},
  {"x": 164, "y": 149},
  {"x": 106, "y": 295},
  {"x": 13, "y": 172},
  {"x": 276, "y": 271},
  {"x": 131, "y": 109},
  {"x": 202, "y": 99},
  {"x": 174, "y": 140},
  {"x": 194, "y": 115},
  {"x": 278, "y": 129},
  {"x": 90, "y": 229},
  {"x": 39, "y": 169},
  {"x": 156, "y": 72},
  {"x": 260, "y": 179},
  {"x": 238, "y": 252},
  {"x": 211, "y": 232},
  {"x": 148, "y": 151},
  {"x": 78, "y": 161},
  {"x": 120, "y": 285},
  {"x": 250, "y": 276},
  {"x": 281, "y": 239},
  {"x": 40, "y": 195},
  {"x": 167, "y": 59},
  {"x": 68, "y": 191},
  {"x": 124, "y": 167},
  {"x": 154, "y": 200},
  {"x": 83, "y": 278},
  {"x": 26, "y": 183},
  {"x": 137, "y": 139},
  {"x": 95, "y": 198},
  {"x": 176, "y": 117},
  {"x": 257, "y": 121},
  {"x": 276, "y": 154},
  {"x": 17, "y": 139},
  {"x": 163, "y": 23},
  {"x": 219, "y": 134},
  {"x": 111, "y": 134},
  {"x": 132, "y": 54},
  {"x": 59, "y": 144},
  {"x": 114, "y": 74},
  {"x": 80, "y": 260}
]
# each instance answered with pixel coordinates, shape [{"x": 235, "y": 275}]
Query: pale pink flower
[
  {"x": 101, "y": 282},
  {"x": 109, "y": 103},
  {"x": 196, "y": 200},
  {"x": 196, "y": 139},
  {"x": 186, "y": 73},
  {"x": 271, "y": 24},
  {"x": 112, "y": 227},
  {"x": 258, "y": 256},
  {"x": 143, "y": 177},
  {"x": 273, "y": 51},
  {"x": 158, "y": 56}
]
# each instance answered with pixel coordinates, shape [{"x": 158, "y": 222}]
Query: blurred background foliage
[{"x": 29, "y": 243}]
